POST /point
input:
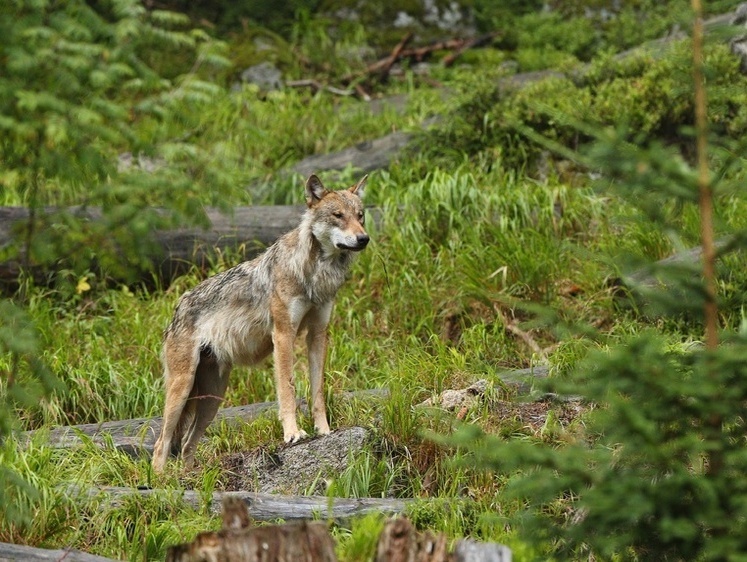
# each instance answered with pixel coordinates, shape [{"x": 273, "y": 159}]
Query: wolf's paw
[
  {"x": 295, "y": 437},
  {"x": 323, "y": 430}
]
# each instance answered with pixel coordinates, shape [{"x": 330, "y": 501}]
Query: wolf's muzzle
[{"x": 361, "y": 241}]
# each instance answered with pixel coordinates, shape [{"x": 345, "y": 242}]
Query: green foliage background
[{"x": 512, "y": 215}]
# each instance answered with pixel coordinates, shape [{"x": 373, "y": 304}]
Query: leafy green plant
[
  {"x": 649, "y": 95},
  {"x": 76, "y": 81},
  {"x": 24, "y": 380}
]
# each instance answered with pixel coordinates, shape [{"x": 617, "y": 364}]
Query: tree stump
[
  {"x": 238, "y": 541},
  {"x": 400, "y": 542}
]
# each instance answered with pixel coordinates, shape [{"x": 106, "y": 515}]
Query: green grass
[
  {"x": 461, "y": 250},
  {"x": 456, "y": 246}
]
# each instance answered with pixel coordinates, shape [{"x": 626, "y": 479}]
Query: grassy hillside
[{"x": 508, "y": 212}]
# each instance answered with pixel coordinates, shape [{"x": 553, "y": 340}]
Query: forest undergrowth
[{"x": 498, "y": 245}]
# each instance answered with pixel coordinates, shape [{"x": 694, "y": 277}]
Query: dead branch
[
  {"x": 394, "y": 56},
  {"x": 316, "y": 86},
  {"x": 383, "y": 66},
  {"x": 511, "y": 326},
  {"x": 449, "y": 59}
]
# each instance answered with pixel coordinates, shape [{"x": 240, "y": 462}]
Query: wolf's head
[{"x": 337, "y": 217}]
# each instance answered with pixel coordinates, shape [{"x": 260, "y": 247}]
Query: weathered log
[
  {"x": 468, "y": 550},
  {"x": 261, "y": 507},
  {"x": 650, "y": 277},
  {"x": 672, "y": 278},
  {"x": 137, "y": 436},
  {"x": 246, "y": 230},
  {"x": 21, "y": 553},
  {"x": 365, "y": 156}
]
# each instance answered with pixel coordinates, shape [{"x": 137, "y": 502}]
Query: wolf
[{"x": 258, "y": 307}]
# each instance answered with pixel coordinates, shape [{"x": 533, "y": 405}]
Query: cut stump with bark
[
  {"x": 292, "y": 542},
  {"x": 400, "y": 542},
  {"x": 239, "y": 541}
]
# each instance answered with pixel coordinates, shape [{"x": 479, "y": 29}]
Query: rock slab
[{"x": 300, "y": 468}]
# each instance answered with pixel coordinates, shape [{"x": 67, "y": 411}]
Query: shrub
[{"x": 657, "y": 475}]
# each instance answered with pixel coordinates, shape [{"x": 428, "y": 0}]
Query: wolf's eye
[
  {"x": 360, "y": 216},
  {"x": 337, "y": 215}
]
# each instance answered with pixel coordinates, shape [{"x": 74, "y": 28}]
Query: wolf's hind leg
[
  {"x": 211, "y": 381},
  {"x": 180, "y": 360}
]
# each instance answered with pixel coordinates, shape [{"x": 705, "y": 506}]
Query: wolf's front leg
[
  {"x": 283, "y": 337},
  {"x": 316, "y": 342}
]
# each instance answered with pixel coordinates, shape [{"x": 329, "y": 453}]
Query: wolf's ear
[
  {"x": 314, "y": 190},
  {"x": 359, "y": 188}
]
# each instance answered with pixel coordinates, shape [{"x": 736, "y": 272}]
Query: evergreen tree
[{"x": 660, "y": 472}]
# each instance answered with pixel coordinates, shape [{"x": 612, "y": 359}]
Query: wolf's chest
[{"x": 321, "y": 284}]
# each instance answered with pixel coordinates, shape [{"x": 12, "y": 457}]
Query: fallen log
[
  {"x": 246, "y": 230},
  {"x": 365, "y": 156},
  {"x": 137, "y": 436},
  {"x": 260, "y": 506},
  {"x": 651, "y": 276},
  {"x": 671, "y": 278},
  {"x": 22, "y": 553}
]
